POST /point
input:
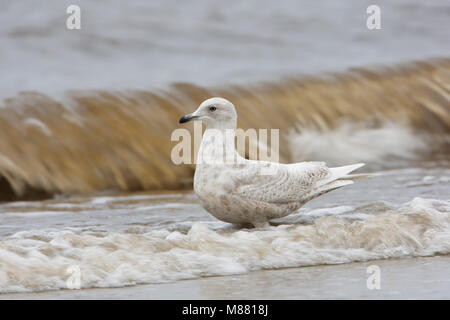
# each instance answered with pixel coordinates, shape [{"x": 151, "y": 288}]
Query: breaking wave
[{"x": 97, "y": 140}]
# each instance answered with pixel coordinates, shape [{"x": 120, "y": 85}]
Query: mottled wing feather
[{"x": 290, "y": 183}]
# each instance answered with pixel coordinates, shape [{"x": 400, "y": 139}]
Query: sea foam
[{"x": 37, "y": 260}]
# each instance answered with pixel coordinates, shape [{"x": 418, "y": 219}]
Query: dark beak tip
[
  {"x": 187, "y": 118},
  {"x": 182, "y": 119}
]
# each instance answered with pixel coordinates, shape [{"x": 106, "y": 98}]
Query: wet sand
[{"x": 412, "y": 278}]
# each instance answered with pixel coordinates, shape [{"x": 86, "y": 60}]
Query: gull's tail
[
  {"x": 339, "y": 177},
  {"x": 343, "y": 172}
]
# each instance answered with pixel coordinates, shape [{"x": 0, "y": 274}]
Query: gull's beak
[{"x": 188, "y": 117}]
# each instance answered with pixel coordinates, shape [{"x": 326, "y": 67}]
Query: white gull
[{"x": 245, "y": 191}]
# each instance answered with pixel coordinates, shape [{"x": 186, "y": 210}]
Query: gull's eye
[{"x": 212, "y": 108}]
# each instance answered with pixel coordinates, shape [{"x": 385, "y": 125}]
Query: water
[
  {"x": 144, "y": 44},
  {"x": 96, "y": 162},
  {"x": 119, "y": 240}
]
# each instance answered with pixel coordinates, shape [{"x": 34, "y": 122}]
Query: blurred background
[{"x": 148, "y": 44}]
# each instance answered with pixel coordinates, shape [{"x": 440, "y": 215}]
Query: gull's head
[{"x": 216, "y": 113}]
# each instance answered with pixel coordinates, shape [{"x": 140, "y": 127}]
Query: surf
[{"x": 95, "y": 140}]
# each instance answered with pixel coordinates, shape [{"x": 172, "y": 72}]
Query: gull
[{"x": 243, "y": 191}]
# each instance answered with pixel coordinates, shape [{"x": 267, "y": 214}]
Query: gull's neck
[{"x": 218, "y": 146}]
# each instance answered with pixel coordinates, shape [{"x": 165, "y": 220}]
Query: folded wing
[{"x": 287, "y": 183}]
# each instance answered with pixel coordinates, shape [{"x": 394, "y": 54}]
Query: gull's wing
[
  {"x": 284, "y": 183},
  {"x": 287, "y": 183}
]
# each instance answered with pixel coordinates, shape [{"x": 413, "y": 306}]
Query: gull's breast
[{"x": 214, "y": 187}]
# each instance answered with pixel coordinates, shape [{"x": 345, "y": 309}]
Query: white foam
[
  {"x": 353, "y": 142},
  {"x": 104, "y": 200},
  {"x": 35, "y": 123},
  {"x": 38, "y": 260}
]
